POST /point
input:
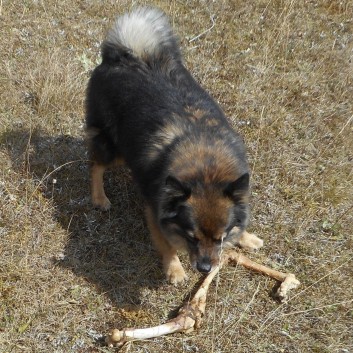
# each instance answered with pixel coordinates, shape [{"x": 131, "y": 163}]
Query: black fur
[{"x": 131, "y": 99}]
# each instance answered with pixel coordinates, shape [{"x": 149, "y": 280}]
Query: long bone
[{"x": 190, "y": 315}]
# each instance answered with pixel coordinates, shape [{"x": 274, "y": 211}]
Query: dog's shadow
[{"x": 109, "y": 249}]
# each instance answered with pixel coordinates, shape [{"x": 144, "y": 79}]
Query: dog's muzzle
[{"x": 204, "y": 265}]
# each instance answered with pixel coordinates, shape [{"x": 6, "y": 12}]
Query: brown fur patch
[
  {"x": 99, "y": 199},
  {"x": 163, "y": 138},
  {"x": 206, "y": 249},
  {"x": 208, "y": 163},
  {"x": 195, "y": 113},
  {"x": 212, "y": 122},
  {"x": 211, "y": 214}
]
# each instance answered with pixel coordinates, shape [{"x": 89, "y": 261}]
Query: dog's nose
[{"x": 204, "y": 265}]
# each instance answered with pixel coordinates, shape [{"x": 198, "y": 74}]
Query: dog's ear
[
  {"x": 176, "y": 189},
  {"x": 239, "y": 188}
]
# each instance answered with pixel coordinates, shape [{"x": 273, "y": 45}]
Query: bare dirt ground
[{"x": 283, "y": 72}]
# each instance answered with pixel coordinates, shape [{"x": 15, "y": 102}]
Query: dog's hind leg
[
  {"x": 99, "y": 198},
  {"x": 103, "y": 154},
  {"x": 171, "y": 263}
]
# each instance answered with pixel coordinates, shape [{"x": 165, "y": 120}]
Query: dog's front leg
[
  {"x": 249, "y": 241},
  {"x": 171, "y": 263}
]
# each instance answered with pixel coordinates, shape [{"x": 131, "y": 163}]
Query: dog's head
[{"x": 203, "y": 218}]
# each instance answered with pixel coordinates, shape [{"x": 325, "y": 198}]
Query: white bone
[{"x": 190, "y": 315}]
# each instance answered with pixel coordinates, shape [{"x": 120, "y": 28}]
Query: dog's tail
[{"x": 146, "y": 34}]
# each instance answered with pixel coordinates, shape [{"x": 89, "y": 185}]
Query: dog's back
[{"x": 143, "y": 88}]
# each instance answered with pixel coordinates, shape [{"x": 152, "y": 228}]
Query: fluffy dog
[{"x": 145, "y": 109}]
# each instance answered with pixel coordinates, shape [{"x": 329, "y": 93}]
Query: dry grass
[{"x": 282, "y": 70}]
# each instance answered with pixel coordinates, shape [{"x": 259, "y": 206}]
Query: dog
[{"x": 144, "y": 109}]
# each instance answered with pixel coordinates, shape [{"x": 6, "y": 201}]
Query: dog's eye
[
  {"x": 190, "y": 235},
  {"x": 170, "y": 215}
]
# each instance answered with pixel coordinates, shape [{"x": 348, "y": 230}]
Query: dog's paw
[
  {"x": 102, "y": 203},
  {"x": 175, "y": 274},
  {"x": 250, "y": 241}
]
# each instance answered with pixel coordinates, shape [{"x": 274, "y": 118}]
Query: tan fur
[
  {"x": 191, "y": 161},
  {"x": 250, "y": 241},
  {"x": 210, "y": 213},
  {"x": 211, "y": 122},
  {"x": 195, "y": 113},
  {"x": 171, "y": 264},
  {"x": 163, "y": 138},
  {"x": 206, "y": 247},
  {"x": 99, "y": 198}
]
